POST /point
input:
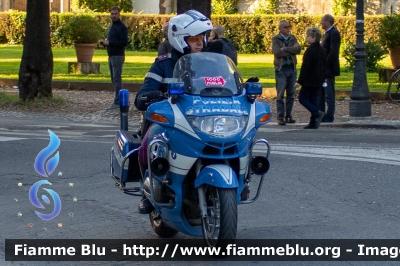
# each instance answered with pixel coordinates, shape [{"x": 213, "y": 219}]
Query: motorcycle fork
[{"x": 202, "y": 201}]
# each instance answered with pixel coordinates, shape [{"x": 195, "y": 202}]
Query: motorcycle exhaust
[
  {"x": 159, "y": 166},
  {"x": 124, "y": 108},
  {"x": 259, "y": 165}
]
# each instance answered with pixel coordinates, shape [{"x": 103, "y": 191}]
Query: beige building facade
[
  {"x": 372, "y": 7},
  {"x": 55, "y": 5}
]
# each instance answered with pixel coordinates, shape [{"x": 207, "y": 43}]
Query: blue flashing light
[
  {"x": 176, "y": 88},
  {"x": 124, "y": 97},
  {"x": 253, "y": 88}
]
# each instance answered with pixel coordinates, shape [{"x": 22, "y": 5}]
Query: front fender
[{"x": 217, "y": 175}]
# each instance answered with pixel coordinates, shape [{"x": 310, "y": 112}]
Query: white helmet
[{"x": 191, "y": 23}]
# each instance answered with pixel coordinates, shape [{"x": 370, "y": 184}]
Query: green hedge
[
  {"x": 249, "y": 33},
  {"x": 253, "y": 33}
]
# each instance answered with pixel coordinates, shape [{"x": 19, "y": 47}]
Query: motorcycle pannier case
[{"x": 125, "y": 152}]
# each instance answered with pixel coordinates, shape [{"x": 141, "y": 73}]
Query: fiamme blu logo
[{"x": 44, "y": 166}]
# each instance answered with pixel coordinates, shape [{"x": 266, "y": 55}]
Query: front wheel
[
  {"x": 221, "y": 221},
  {"x": 159, "y": 227}
]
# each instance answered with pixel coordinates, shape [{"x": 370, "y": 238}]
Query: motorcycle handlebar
[{"x": 144, "y": 99}]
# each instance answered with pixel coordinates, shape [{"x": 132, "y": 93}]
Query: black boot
[
  {"x": 311, "y": 125},
  {"x": 145, "y": 206},
  {"x": 319, "y": 119}
]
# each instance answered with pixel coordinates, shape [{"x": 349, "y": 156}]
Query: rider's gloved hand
[
  {"x": 154, "y": 96},
  {"x": 253, "y": 79},
  {"x": 143, "y": 100}
]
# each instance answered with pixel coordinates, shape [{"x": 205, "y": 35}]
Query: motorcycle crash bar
[{"x": 259, "y": 165}]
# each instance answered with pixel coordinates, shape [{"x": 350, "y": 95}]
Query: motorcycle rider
[{"x": 186, "y": 34}]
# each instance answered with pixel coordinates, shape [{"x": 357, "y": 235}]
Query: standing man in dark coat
[
  {"x": 117, "y": 40},
  {"x": 331, "y": 43}
]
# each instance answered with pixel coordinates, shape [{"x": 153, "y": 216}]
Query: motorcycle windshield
[{"x": 208, "y": 74}]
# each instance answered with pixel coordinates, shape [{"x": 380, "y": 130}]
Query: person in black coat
[
  {"x": 164, "y": 47},
  {"x": 217, "y": 43},
  {"x": 312, "y": 75},
  {"x": 331, "y": 43}
]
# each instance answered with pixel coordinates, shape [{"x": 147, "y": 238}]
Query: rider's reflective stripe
[
  {"x": 168, "y": 80},
  {"x": 159, "y": 78},
  {"x": 153, "y": 76}
]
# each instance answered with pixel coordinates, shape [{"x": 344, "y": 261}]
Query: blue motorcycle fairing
[
  {"x": 178, "y": 141},
  {"x": 258, "y": 110},
  {"x": 184, "y": 150},
  {"x": 173, "y": 216},
  {"x": 206, "y": 106},
  {"x": 201, "y": 106},
  {"x": 251, "y": 123},
  {"x": 163, "y": 108},
  {"x": 217, "y": 175},
  {"x": 236, "y": 105},
  {"x": 261, "y": 110},
  {"x": 175, "y": 117},
  {"x": 175, "y": 219},
  {"x": 186, "y": 133}
]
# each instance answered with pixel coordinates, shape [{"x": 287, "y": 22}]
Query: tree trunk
[
  {"x": 203, "y": 6},
  {"x": 36, "y": 69},
  {"x": 161, "y": 6}
]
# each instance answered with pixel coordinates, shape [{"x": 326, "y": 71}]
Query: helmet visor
[{"x": 196, "y": 38}]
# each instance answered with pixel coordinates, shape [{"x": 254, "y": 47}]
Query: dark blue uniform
[{"x": 158, "y": 77}]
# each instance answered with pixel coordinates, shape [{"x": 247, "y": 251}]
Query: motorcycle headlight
[{"x": 218, "y": 126}]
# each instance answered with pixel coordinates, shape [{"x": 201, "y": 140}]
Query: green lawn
[{"x": 138, "y": 63}]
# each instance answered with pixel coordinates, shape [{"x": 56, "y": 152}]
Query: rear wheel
[
  {"x": 394, "y": 87},
  {"x": 221, "y": 221},
  {"x": 159, "y": 227}
]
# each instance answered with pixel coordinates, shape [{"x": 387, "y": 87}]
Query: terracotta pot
[
  {"x": 84, "y": 52},
  {"x": 395, "y": 57}
]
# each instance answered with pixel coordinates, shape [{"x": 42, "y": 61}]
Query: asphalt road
[{"x": 329, "y": 183}]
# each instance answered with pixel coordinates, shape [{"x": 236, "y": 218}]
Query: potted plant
[
  {"x": 84, "y": 31},
  {"x": 388, "y": 30}
]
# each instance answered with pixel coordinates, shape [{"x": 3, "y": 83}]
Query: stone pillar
[{"x": 83, "y": 68}]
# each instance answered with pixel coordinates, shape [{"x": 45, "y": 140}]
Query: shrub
[
  {"x": 249, "y": 33},
  {"x": 104, "y": 5},
  {"x": 15, "y": 31},
  {"x": 83, "y": 29},
  {"x": 223, "y": 7},
  {"x": 388, "y": 31},
  {"x": 375, "y": 53}
]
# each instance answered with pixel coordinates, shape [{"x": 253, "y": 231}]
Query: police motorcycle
[{"x": 200, "y": 149}]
